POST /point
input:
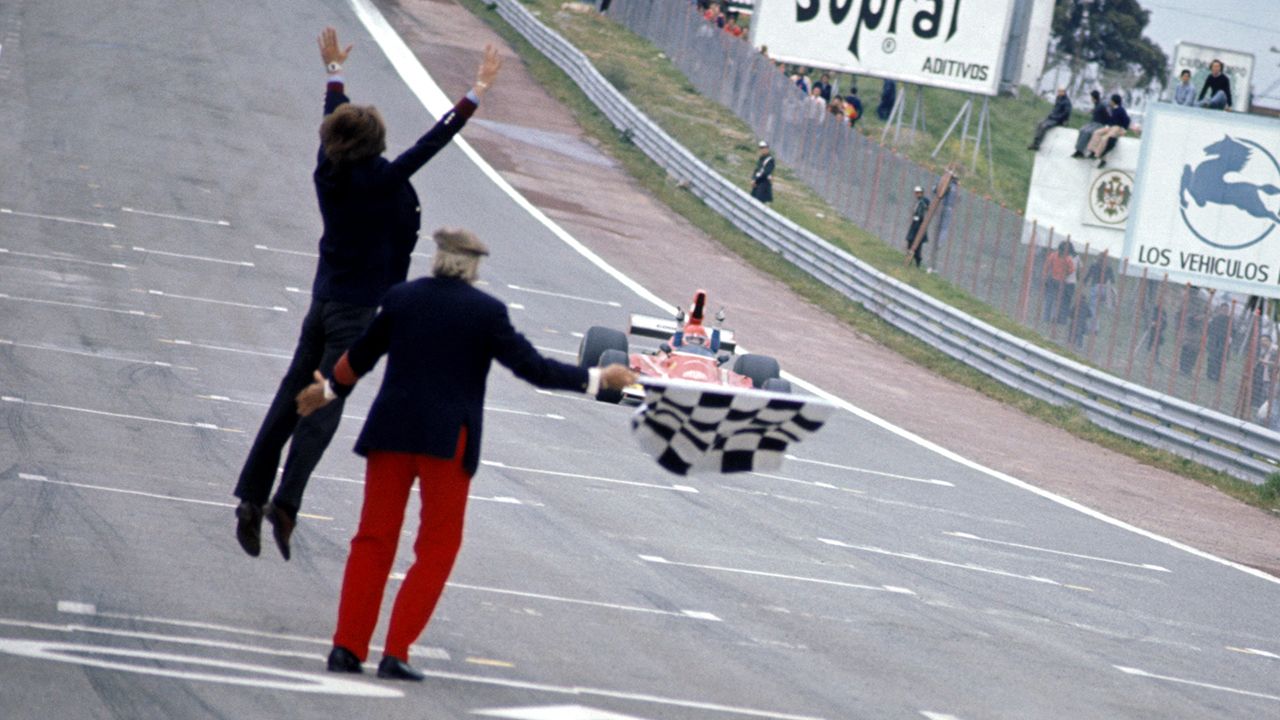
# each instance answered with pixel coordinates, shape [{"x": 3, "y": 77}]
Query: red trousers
[{"x": 388, "y": 480}]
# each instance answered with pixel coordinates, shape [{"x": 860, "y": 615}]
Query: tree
[{"x": 1109, "y": 32}]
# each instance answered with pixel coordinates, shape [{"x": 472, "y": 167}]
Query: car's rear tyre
[
  {"x": 596, "y": 341},
  {"x": 777, "y": 384},
  {"x": 759, "y": 368},
  {"x": 607, "y": 358}
]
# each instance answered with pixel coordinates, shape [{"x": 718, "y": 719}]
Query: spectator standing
[
  {"x": 762, "y": 178},
  {"x": 1264, "y": 373},
  {"x": 801, "y": 79},
  {"x": 919, "y": 211},
  {"x": 1058, "y": 266},
  {"x": 824, "y": 87},
  {"x": 1058, "y": 115},
  {"x": 888, "y": 95},
  {"x": 1099, "y": 284},
  {"x": 426, "y": 424},
  {"x": 1067, "y": 301},
  {"x": 1185, "y": 93},
  {"x": 1105, "y": 138},
  {"x": 1216, "y": 340},
  {"x": 1098, "y": 117},
  {"x": 853, "y": 106},
  {"x": 815, "y": 99},
  {"x": 371, "y": 215},
  {"x": 1217, "y": 86}
]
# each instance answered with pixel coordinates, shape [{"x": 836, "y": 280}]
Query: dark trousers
[
  {"x": 327, "y": 331},
  {"x": 1041, "y": 129},
  {"x": 911, "y": 238}
]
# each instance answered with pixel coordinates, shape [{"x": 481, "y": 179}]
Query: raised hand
[
  {"x": 489, "y": 68},
  {"x": 616, "y": 377},
  {"x": 330, "y": 50}
]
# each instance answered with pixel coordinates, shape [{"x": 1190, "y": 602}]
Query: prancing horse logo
[{"x": 1207, "y": 184}]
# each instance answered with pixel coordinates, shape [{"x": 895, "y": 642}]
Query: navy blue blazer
[
  {"x": 440, "y": 336},
  {"x": 371, "y": 213}
]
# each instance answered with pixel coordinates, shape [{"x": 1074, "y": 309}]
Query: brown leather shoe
[
  {"x": 249, "y": 527},
  {"x": 281, "y": 527}
]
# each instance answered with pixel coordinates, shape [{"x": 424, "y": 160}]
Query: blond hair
[{"x": 455, "y": 265}]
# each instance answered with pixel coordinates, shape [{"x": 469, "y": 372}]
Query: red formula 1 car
[{"x": 690, "y": 351}]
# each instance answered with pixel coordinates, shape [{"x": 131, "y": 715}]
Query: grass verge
[{"x": 623, "y": 61}]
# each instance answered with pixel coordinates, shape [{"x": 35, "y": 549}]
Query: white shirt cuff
[
  {"x": 329, "y": 394},
  {"x": 593, "y": 380},
  {"x": 473, "y": 97}
]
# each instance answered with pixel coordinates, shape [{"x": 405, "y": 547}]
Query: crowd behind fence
[{"x": 1207, "y": 348}]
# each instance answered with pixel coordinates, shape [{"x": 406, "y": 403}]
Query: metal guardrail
[{"x": 1218, "y": 441}]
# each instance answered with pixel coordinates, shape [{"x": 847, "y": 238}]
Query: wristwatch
[{"x": 333, "y": 67}]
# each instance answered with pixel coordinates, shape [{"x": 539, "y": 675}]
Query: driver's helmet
[{"x": 695, "y": 339}]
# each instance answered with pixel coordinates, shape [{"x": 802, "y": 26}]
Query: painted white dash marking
[
  {"x": 692, "y": 614},
  {"x": 282, "y": 251},
  {"x": 1143, "y": 566},
  {"x": 122, "y": 416},
  {"x": 946, "y": 563},
  {"x": 937, "y": 715},
  {"x": 201, "y": 258},
  {"x": 222, "y": 348},
  {"x": 780, "y": 576},
  {"x": 553, "y": 712},
  {"x": 139, "y": 493},
  {"x": 82, "y": 306},
  {"x": 927, "y": 481},
  {"x": 810, "y": 483},
  {"x": 1254, "y": 651},
  {"x": 556, "y": 473},
  {"x": 579, "y": 298},
  {"x": 94, "y": 355},
  {"x": 497, "y": 499},
  {"x": 56, "y": 218},
  {"x": 167, "y": 216},
  {"x": 557, "y": 351},
  {"x": 64, "y": 258},
  {"x": 526, "y": 413},
  {"x": 1194, "y": 683},
  {"x": 77, "y": 608},
  {"x": 161, "y": 293},
  {"x": 515, "y": 306},
  {"x": 297, "y": 290}
]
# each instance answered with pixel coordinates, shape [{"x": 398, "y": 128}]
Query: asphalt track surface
[{"x": 157, "y": 231}]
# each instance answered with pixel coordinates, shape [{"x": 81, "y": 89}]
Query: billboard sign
[
  {"x": 1237, "y": 66},
  {"x": 1076, "y": 198},
  {"x": 941, "y": 43},
  {"x": 1206, "y": 206}
]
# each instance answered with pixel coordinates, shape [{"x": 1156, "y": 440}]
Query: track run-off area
[{"x": 157, "y": 241}]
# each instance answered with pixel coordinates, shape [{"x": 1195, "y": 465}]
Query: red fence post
[{"x": 1024, "y": 292}]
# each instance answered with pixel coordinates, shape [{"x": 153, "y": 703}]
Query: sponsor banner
[
  {"x": 1237, "y": 66},
  {"x": 1078, "y": 199},
  {"x": 1206, "y": 207},
  {"x": 942, "y": 43}
]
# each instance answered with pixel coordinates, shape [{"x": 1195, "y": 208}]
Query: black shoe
[
  {"x": 1033, "y": 147},
  {"x": 392, "y": 668},
  {"x": 281, "y": 527},
  {"x": 1091, "y": 156},
  {"x": 249, "y": 527},
  {"x": 1102, "y": 164},
  {"x": 342, "y": 660},
  {"x": 1077, "y": 154}
]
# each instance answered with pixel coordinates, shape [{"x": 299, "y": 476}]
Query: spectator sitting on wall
[
  {"x": 1185, "y": 93},
  {"x": 852, "y": 106},
  {"x": 824, "y": 87},
  {"x": 888, "y": 95},
  {"x": 1099, "y": 117},
  {"x": 1059, "y": 115},
  {"x": 1104, "y": 137},
  {"x": 1218, "y": 87}
]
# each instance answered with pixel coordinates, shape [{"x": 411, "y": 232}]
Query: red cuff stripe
[{"x": 343, "y": 373}]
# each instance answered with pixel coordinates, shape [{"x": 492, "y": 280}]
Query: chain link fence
[{"x": 1200, "y": 346}]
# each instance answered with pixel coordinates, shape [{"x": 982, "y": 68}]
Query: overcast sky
[{"x": 1250, "y": 26}]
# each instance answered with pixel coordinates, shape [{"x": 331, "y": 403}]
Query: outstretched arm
[
  {"x": 333, "y": 55},
  {"x": 411, "y": 160}
]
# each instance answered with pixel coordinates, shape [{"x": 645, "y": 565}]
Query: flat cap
[
  {"x": 459, "y": 241},
  {"x": 762, "y": 144},
  {"x": 918, "y": 189}
]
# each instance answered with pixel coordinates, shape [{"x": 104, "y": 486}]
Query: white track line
[
  {"x": 579, "y": 298},
  {"x": 695, "y": 614},
  {"x": 879, "y": 473},
  {"x": 122, "y": 416},
  {"x": 945, "y": 563},
  {"x": 95, "y": 356},
  {"x": 778, "y": 576},
  {"x": 140, "y": 493},
  {"x": 437, "y": 103},
  {"x": 248, "y": 306},
  {"x": 56, "y": 218},
  {"x": 221, "y": 348},
  {"x": 81, "y": 306},
  {"x": 62, "y": 258},
  {"x": 286, "y": 252},
  {"x": 557, "y": 473},
  {"x": 167, "y": 216},
  {"x": 1142, "y": 566},
  {"x": 201, "y": 258},
  {"x": 1235, "y": 691}
]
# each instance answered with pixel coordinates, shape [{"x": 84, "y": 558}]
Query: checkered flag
[{"x": 694, "y": 427}]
